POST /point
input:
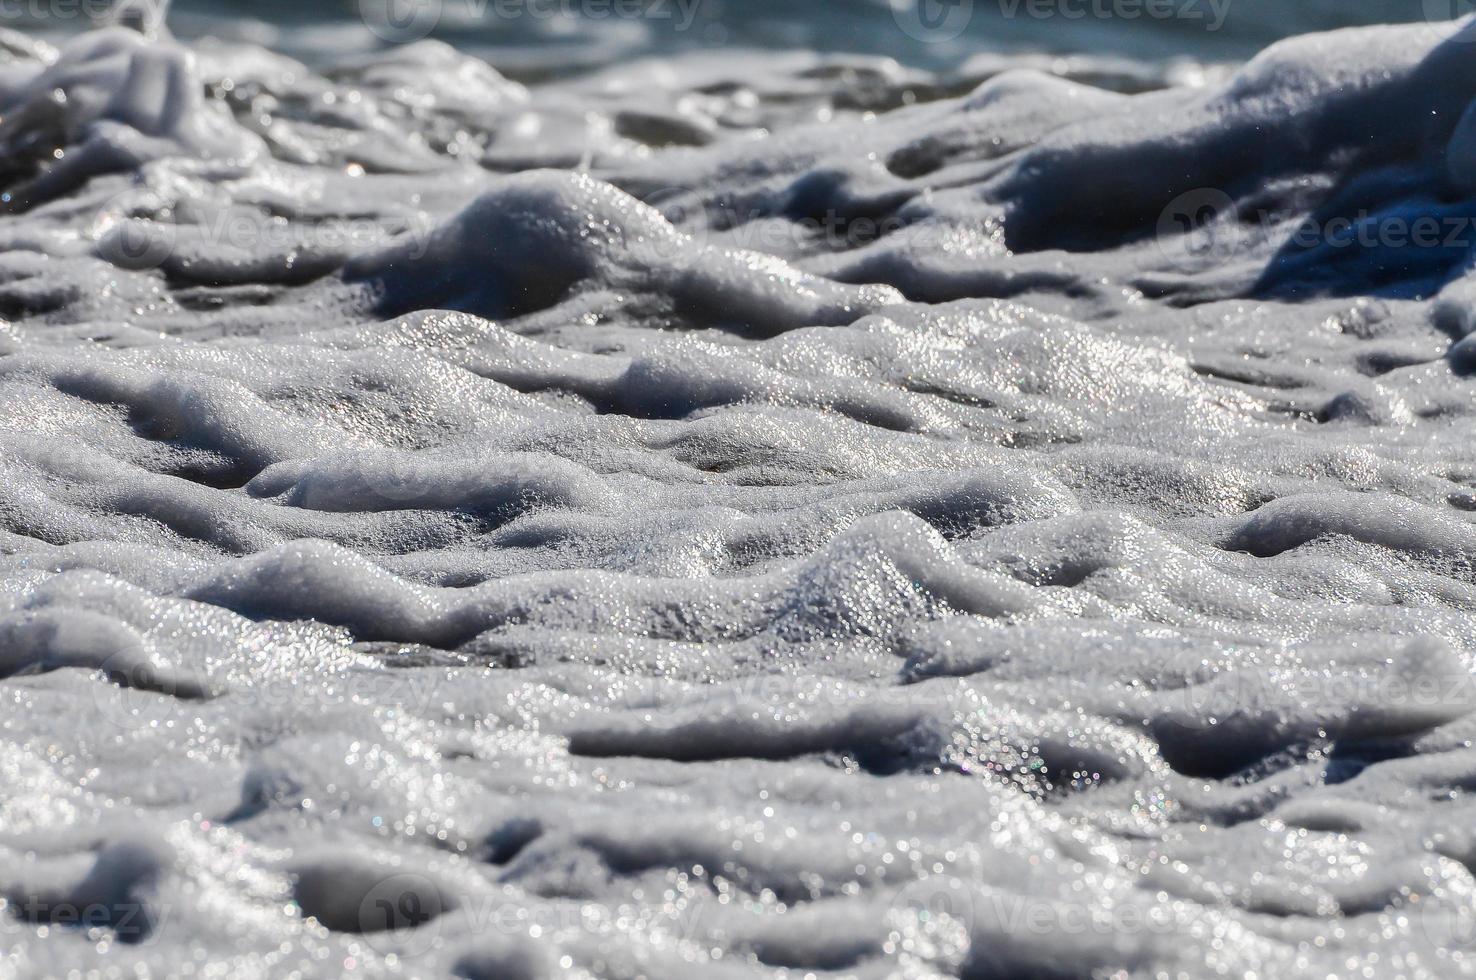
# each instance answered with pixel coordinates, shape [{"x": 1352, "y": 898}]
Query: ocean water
[
  {"x": 538, "y": 38},
  {"x": 821, "y": 491}
]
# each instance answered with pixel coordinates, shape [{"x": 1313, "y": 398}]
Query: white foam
[{"x": 799, "y": 514}]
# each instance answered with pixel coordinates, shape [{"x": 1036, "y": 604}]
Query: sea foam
[{"x": 793, "y": 515}]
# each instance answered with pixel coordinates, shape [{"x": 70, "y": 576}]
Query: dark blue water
[{"x": 534, "y": 36}]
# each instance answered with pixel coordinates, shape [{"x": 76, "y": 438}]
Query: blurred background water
[{"x": 533, "y": 37}]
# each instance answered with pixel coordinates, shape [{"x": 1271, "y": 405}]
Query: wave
[{"x": 794, "y": 512}]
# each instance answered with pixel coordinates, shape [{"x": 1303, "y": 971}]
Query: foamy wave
[{"x": 794, "y": 514}]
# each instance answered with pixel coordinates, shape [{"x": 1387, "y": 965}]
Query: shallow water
[{"x": 783, "y": 514}]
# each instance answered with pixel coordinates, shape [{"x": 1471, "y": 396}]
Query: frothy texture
[{"x": 787, "y": 515}]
